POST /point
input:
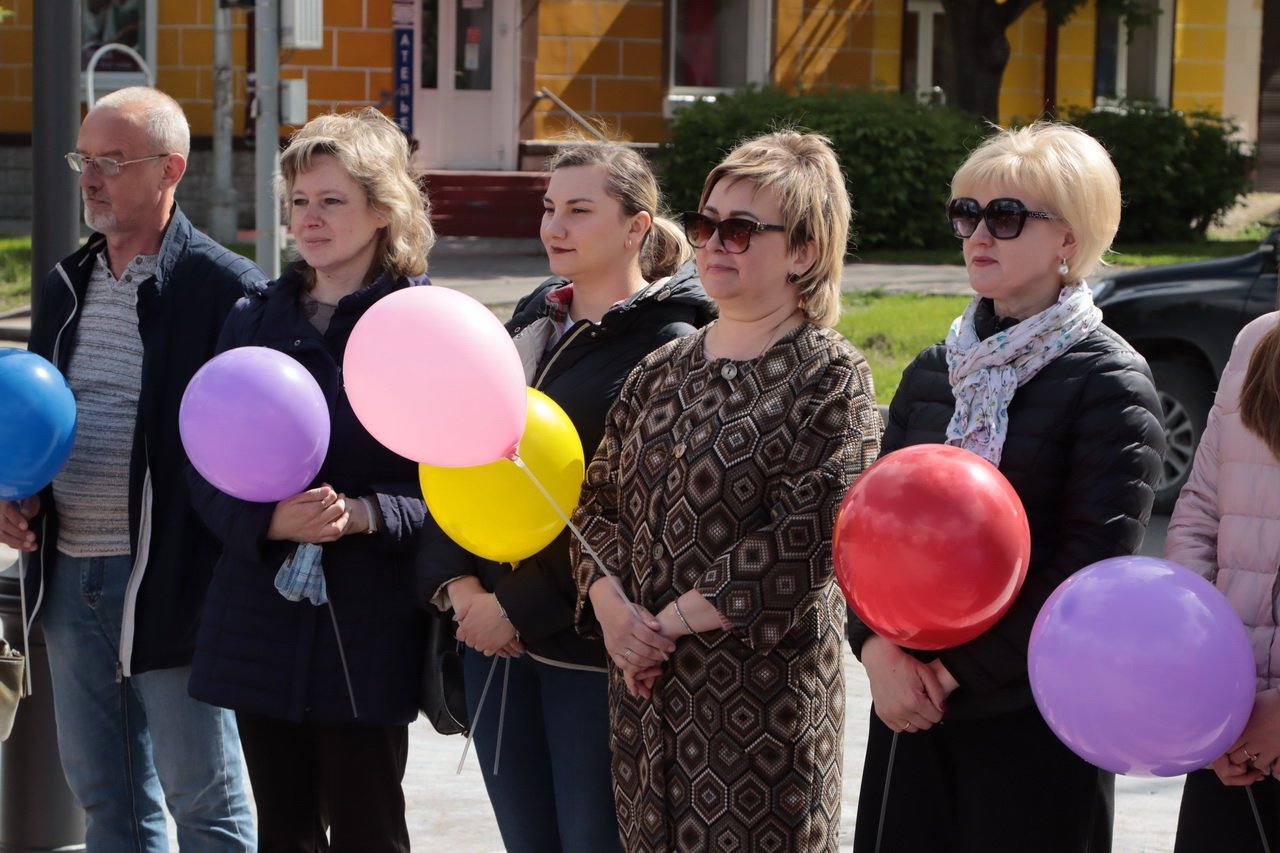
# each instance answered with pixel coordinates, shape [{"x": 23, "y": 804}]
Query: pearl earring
[{"x": 1063, "y": 269}]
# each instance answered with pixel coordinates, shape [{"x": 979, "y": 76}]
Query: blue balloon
[{"x": 38, "y": 424}]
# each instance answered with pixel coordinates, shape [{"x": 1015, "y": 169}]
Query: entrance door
[{"x": 465, "y": 104}]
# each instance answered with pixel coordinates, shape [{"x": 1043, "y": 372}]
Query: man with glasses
[{"x": 116, "y": 561}]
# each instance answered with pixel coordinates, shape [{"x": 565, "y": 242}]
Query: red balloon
[{"x": 931, "y": 546}]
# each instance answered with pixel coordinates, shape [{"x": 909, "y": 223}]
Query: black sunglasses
[
  {"x": 1004, "y": 216},
  {"x": 735, "y": 234}
]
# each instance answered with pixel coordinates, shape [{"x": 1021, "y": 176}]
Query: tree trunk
[{"x": 980, "y": 51}]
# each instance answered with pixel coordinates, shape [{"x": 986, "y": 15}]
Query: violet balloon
[
  {"x": 1142, "y": 667},
  {"x": 433, "y": 375},
  {"x": 255, "y": 424}
]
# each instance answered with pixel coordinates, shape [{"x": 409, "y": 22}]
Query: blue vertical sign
[{"x": 402, "y": 68}]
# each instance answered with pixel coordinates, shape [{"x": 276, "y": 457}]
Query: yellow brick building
[{"x": 488, "y": 77}]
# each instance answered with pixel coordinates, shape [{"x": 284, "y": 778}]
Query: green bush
[
  {"x": 898, "y": 156},
  {"x": 1179, "y": 173}
]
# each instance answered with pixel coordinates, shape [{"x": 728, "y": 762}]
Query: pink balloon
[
  {"x": 434, "y": 376},
  {"x": 255, "y": 424}
]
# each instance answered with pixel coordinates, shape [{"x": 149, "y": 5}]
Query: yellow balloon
[{"x": 495, "y": 511}]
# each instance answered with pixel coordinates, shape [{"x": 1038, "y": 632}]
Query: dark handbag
[{"x": 441, "y": 697}]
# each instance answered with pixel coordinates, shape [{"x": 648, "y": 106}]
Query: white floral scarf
[{"x": 985, "y": 373}]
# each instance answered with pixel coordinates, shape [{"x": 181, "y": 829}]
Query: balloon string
[
  {"x": 22, "y": 615},
  {"x": 884, "y": 796},
  {"x": 1257, "y": 818},
  {"x": 502, "y": 714},
  {"x": 586, "y": 546},
  {"x": 342, "y": 658},
  {"x": 475, "y": 719}
]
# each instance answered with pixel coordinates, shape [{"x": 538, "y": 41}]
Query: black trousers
[
  {"x": 340, "y": 778},
  {"x": 1004, "y": 783},
  {"x": 1215, "y": 817}
]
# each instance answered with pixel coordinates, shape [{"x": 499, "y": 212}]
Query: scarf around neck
[{"x": 985, "y": 373}]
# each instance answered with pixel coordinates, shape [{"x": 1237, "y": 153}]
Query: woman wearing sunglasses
[
  {"x": 620, "y": 289},
  {"x": 1031, "y": 380},
  {"x": 711, "y": 502}
]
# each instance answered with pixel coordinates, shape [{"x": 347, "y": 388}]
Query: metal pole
[
  {"x": 266, "y": 154},
  {"x": 55, "y": 209},
  {"x": 222, "y": 208}
]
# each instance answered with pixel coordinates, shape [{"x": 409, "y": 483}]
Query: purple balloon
[
  {"x": 255, "y": 424},
  {"x": 1142, "y": 667}
]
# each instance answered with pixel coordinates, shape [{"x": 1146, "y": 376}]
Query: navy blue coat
[
  {"x": 257, "y": 651},
  {"x": 181, "y": 308}
]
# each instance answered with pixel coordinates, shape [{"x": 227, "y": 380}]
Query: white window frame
[
  {"x": 1163, "y": 59},
  {"x": 759, "y": 56},
  {"x": 109, "y": 81}
]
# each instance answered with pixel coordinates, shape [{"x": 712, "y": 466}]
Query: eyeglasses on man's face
[
  {"x": 735, "y": 234},
  {"x": 1005, "y": 217},
  {"x": 105, "y": 166}
]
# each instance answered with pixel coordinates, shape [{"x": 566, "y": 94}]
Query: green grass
[
  {"x": 15, "y": 272},
  {"x": 890, "y": 330}
]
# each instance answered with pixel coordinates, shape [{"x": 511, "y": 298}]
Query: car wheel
[{"x": 1186, "y": 393}]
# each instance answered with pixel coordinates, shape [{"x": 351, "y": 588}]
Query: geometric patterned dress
[{"x": 725, "y": 476}]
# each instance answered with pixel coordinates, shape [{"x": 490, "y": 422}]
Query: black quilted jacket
[{"x": 1083, "y": 452}]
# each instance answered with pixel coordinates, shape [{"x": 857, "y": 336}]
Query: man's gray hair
[{"x": 166, "y": 123}]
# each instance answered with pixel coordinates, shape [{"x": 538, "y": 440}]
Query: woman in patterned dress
[{"x": 711, "y": 501}]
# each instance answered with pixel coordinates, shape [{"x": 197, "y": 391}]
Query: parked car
[{"x": 1183, "y": 318}]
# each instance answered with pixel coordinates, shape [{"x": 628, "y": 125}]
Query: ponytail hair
[
  {"x": 1260, "y": 395},
  {"x": 665, "y": 249}
]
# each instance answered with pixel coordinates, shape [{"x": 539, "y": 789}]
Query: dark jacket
[
  {"x": 180, "y": 312},
  {"x": 583, "y": 373},
  {"x": 259, "y": 652},
  {"x": 1083, "y": 452}
]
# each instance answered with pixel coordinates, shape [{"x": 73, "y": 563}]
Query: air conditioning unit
[{"x": 301, "y": 24}]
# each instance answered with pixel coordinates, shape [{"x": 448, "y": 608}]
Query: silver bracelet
[{"x": 682, "y": 619}]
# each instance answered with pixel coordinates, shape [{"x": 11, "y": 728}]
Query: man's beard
[{"x": 103, "y": 221}]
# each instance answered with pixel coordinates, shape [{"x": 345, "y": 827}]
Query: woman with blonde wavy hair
[{"x": 323, "y": 675}]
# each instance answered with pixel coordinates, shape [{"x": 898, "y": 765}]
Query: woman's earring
[
  {"x": 1063, "y": 269},
  {"x": 793, "y": 278},
  {"x": 628, "y": 242}
]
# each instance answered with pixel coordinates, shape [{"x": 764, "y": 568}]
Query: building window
[
  {"x": 1135, "y": 63},
  {"x": 131, "y": 24},
  {"x": 717, "y": 46}
]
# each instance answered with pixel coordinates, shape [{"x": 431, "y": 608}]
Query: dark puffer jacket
[
  {"x": 1083, "y": 452},
  {"x": 583, "y": 373},
  {"x": 257, "y": 651}
]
